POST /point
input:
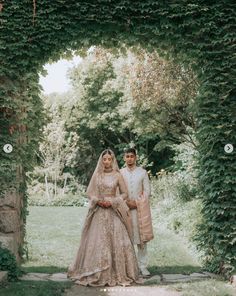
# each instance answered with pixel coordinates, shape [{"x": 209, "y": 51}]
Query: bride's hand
[
  {"x": 100, "y": 203},
  {"x": 107, "y": 204},
  {"x": 104, "y": 204}
]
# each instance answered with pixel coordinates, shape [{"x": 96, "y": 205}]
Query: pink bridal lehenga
[{"x": 106, "y": 254}]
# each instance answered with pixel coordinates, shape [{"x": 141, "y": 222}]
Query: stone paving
[
  {"x": 153, "y": 286},
  {"x": 156, "y": 279},
  {"x": 34, "y": 276}
]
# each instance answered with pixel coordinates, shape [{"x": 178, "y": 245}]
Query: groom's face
[{"x": 130, "y": 159}]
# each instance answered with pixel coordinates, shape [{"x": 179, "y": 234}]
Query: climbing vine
[{"x": 198, "y": 33}]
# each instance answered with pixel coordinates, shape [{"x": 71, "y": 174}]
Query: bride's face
[{"x": 107, "y": 161}]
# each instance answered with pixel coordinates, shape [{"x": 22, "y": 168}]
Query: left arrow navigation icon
[{"x": 7, "y": 148}]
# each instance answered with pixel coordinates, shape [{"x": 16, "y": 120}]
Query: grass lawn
[
  {"x": 33, "y": 288},
  {"x": 53, "y": 235}
]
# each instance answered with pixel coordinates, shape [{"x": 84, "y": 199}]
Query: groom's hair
[{"x": 130, "y": 150}]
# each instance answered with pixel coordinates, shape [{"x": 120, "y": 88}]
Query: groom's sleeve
[{"x": 146, "y": 185}]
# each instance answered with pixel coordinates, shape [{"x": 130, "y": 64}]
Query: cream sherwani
[{"x": 138, "y": 185}]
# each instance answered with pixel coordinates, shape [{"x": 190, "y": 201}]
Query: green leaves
[
  {"x": 8, "y": 263},
  {"x": 198, "y": 34}
]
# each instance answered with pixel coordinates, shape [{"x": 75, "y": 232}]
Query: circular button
[
  {"x": 7, "y": 148},
  {"x": 228, "y": 148}
]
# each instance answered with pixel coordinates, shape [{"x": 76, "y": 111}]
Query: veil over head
[{"x": 99, "y": 170}]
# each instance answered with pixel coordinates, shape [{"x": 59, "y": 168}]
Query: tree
[
  {"x": 163, "y": 94},
  {"x": 111, "y": 108},
  {"x": 56, "y": 151}
]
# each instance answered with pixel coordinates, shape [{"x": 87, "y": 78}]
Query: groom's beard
[{"x": 131, "y": 165}]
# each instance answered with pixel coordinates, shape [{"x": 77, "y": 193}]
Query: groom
[{"x": 137, "y": 181}]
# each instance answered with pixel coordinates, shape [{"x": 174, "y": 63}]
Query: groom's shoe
[{"x": 144, "y": 271}]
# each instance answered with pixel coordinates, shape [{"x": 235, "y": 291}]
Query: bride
[{"x": 106, "y": 254}]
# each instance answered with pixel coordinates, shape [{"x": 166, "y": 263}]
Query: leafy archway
[{"x": 196, "y": 32}]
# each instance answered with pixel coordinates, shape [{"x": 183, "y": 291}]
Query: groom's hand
[{"x": 131, "y": 204}]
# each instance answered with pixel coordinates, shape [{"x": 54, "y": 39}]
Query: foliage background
[{"x": 199, "y": 34}]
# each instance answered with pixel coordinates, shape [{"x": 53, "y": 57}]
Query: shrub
[
  {"x": 8, "y": 263},
  {"x": 68, "y": 197}
]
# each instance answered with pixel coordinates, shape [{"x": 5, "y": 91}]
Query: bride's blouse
[{"x": 109, "y": 182}]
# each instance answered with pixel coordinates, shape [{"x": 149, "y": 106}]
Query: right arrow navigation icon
[{"x": 229, "y": 148}]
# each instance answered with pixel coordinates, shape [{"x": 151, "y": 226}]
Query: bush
[
  {"x": 38, "y": 196},
  {"x": 175, "y": 195},
  {"x": 176, "y": 213},
  {"x": 8, "y": 263},
  {"x": 59, "y": 200}
]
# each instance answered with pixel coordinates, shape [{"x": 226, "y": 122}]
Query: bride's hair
[
  {"x": 98, "y": 172},
  {"x": 107, "y": 151}
]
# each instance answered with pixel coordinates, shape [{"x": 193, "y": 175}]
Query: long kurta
[
  {"x": 138, "y": 185},
  {"x": 106, "y": 255}
]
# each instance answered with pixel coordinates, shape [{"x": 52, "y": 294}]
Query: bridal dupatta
[
  {"x": 106, "y": 254},
  {"x": 119, "y": 204}
]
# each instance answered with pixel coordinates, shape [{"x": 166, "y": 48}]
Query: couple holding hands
[{"x": 118, "y": 220}]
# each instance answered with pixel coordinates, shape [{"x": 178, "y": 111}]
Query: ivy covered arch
[{"x": 201, "y": 33}]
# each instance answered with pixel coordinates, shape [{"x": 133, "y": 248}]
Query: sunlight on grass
[
  {"x": 53, "y": 235},
  {"x": 169, "y": 253}
]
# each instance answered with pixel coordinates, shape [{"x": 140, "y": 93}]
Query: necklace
[{"x": 109, "y": 170}]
